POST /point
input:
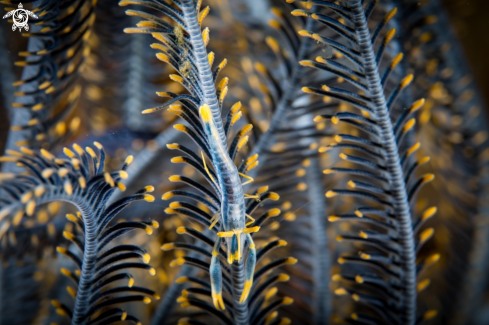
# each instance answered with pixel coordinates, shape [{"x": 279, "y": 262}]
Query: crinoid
[{"x": 317, "y": 162}]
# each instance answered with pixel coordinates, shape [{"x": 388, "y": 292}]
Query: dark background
[{"x": 470, "y": 22}]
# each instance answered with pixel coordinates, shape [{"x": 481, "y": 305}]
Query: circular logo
[{"x": 20, "y": 16}]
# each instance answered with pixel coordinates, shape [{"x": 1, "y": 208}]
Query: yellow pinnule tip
[
  {"x": 413, "y": 148},
  {"x": 149, "y": 198},
  {"x": 71, "y": 217},
  {"x": 250, "y": 230},
  {"x": 365, "y": 256},
  {"x": 423, "y": 284},
  {"x": 30, "y": 207},
  {"x": 291, "y": 260},
  {"x": 167, "y": 196},
  {"x": 274, "y": 196},
  {"x": 178, "y": 261},
  {"x": 146, "y": 300},
  {"x": 306, "y": 63},
  {"x": 409, "y": 125},
  {"x": 430, "y": 314},
  {"x": 69, "y": 153},
  {"x": 298, "y": 12},
  {"x": 123, "y": 174},
  {"x": 26, "y": 197},
  {"x": 428, "y": 213},
  {"x": 124, "y": 316},
  {"x": 130, "y": 282},
  {"x": 182, "y": 279},
  {"x": 330, "y": 194},
  {"x": 359, "y": 279},
  {"x": 16, "y": 128},
  {"x": 149, "y": 110},
  {"x": 274, "y": 24},
  {"x": 55, "y": 303},
  {"x": 65, "y": 271},
  {"x": 96, "y": 144},
  {"x": 177, "y": 160},
  {"x": 181, "y": 230},
  {"x": 396, "y": 60},
  {"x": 68, "y": 235},
  {"x": 426, "y": 234},
  {"x": 129, "y": 160},
  {"x": 428, "y": 178},
  {"x": 162, "y": 57},
  {"x": 182, "y": 299},
  {"x": 340, "y": 292},
  {"x": 406, "y": 81},
  {"x": 305, "y": 33},
  {"x": 61, "y": 250},
  {"x": 282, "y": 243},
  {"x": 146, "y": 258},
  {"x": 390, "y": 14},
  {"x": 336, "y": 277},
  {"x": 283, "y": 277},
  {"x": 90, "y": 152},
  {"x": 173, "y": 146},
  {"x": 333, "y": 218},
  {"x": 287, "y": 301},
  {"x": 433, "y": 258},
  {"x": 274, "y": 212},
  {"x": 417, "y": 105},
  {"x": 390, "y": 35},
  {"x": 205, "y": 113},
  {"x": 167, "y": 247},
  {"x": 149, "y": 188},
  {"x": 47, "y": 173},
  {"x": 152, "y": 271}
]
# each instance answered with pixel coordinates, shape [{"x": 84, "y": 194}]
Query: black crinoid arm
[
  {"x": 378, "y": 159},
  {"x": 81, "y": 181},
  {"x": 48, "y": 91},
  {"x": 229, "y": 291}
]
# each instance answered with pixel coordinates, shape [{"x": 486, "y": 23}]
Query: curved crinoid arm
[
  {"x": 81, "y": 181},
  {"x": 49, "y": 89},
  {"x": 454, "y": 126},
  {"x": 379, "y": 160},
  {"x": 26, "y": 253},
  {"x": 183, "y": 47},
  {"x": 277, "y": 86},
  {"x": 291, "y": 137}
]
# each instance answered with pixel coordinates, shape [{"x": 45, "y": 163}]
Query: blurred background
[{"x": 469, "y": 22}]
